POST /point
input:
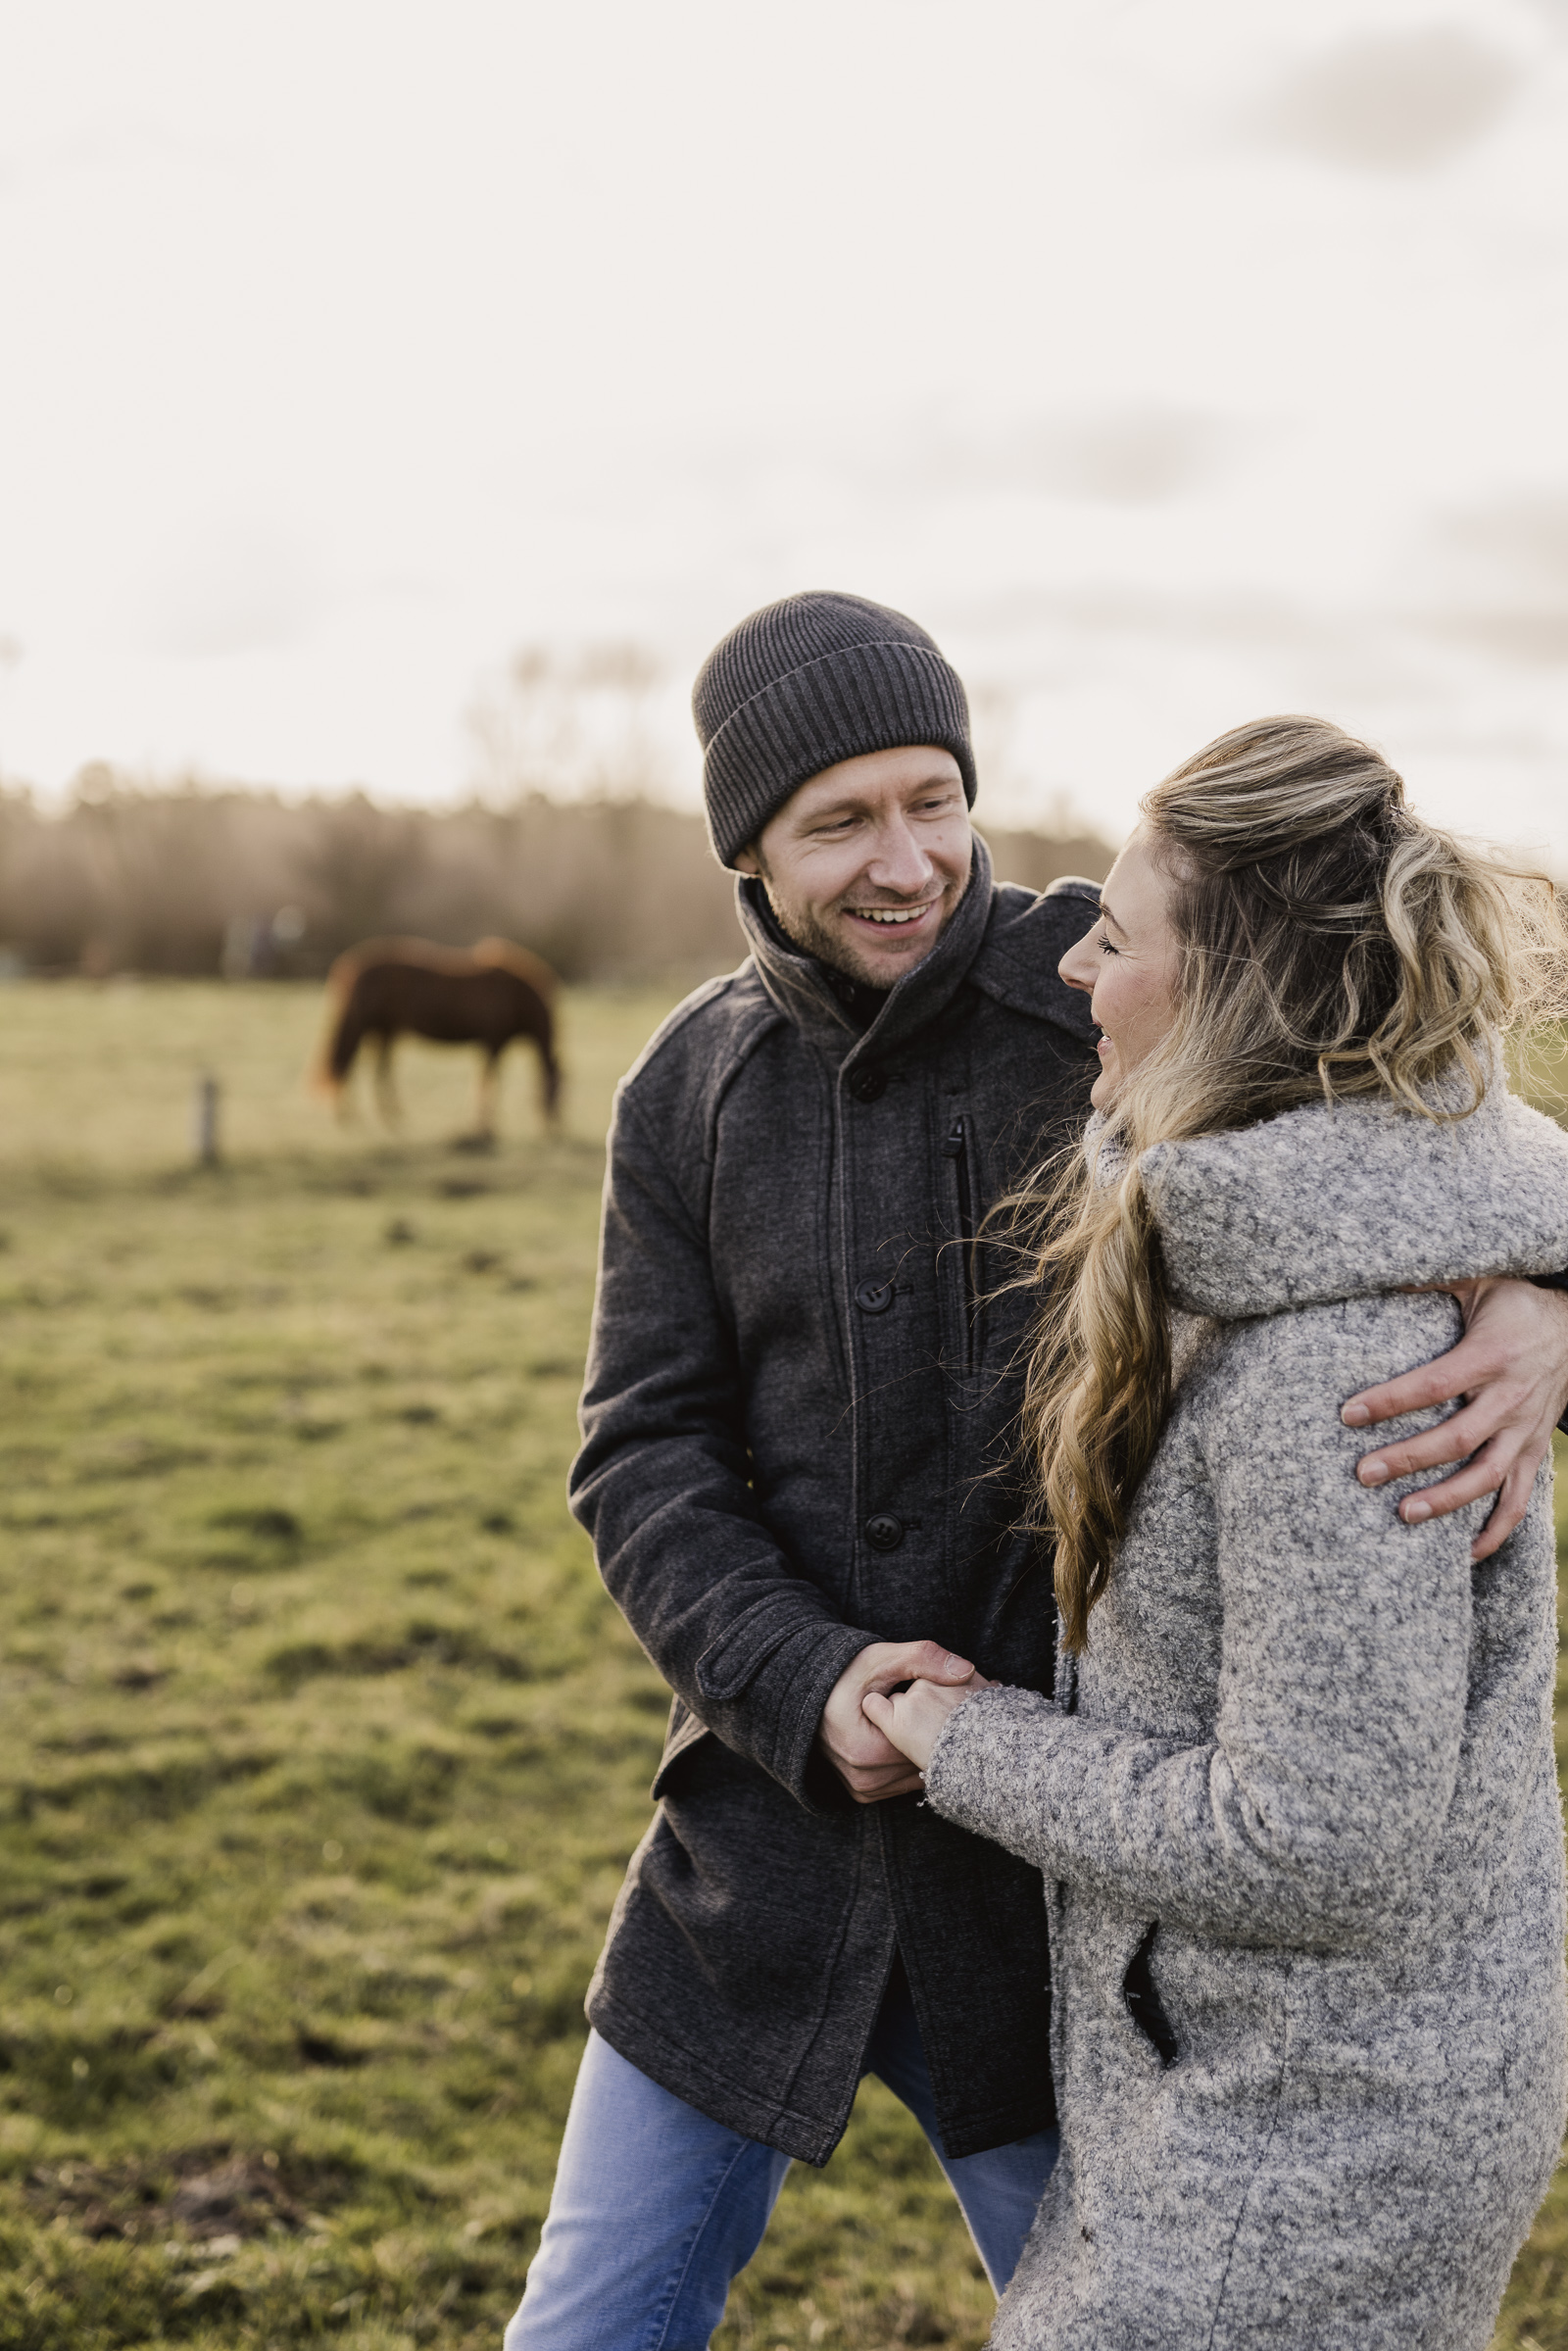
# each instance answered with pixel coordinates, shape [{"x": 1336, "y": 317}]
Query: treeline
[{"x": 190, "y": 880}]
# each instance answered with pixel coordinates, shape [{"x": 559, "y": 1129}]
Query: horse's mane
[{"x": 428, "y": 954}]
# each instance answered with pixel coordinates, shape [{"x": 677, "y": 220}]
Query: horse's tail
[{"x": 341, "y": 1040}]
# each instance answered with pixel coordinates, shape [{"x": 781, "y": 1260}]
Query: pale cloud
[
  {"x": 1119, "y": 453},
  {"x": 1506, "y": 568},
  {"x": 1399, "y": 102},
  {"x": 235, "y": 587}
]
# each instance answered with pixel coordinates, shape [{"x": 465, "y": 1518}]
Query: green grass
[{"x": 321, "y": 1751}]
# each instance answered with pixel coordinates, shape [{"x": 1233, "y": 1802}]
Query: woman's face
[{"x": 1127, "y": 965}]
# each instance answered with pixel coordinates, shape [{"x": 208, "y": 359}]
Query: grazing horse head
[{"x": 485, "y": 995}]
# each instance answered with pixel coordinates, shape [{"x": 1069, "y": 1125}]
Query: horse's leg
[
  {"x": 337, "y": 1066},
  {"x": 549, "y": 1077},
  {"x": 489, "y": 1080},
  {"x": 386, "y": 1093},
  {"x": 337, "y": 1085}
]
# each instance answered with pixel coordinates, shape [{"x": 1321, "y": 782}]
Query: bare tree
[{"x": 574, "y": 726}]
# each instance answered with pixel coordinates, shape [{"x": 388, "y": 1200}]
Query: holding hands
[
  {"x": 911, "y": 1718},
  {"x": 873, "y": 1761}
]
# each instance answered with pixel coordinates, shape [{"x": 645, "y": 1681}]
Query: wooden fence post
[{"x": 204, "y": 1122}]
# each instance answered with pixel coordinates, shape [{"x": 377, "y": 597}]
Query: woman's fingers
[
  {"x": 913, "y": 1721},
  {"x": 893, "y": 1718}
]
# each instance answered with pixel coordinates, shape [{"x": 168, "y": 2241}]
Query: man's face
[{"x": 864, "y": 863}]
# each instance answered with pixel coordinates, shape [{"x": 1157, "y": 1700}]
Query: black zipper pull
[{"x": 955, "y": 1147}]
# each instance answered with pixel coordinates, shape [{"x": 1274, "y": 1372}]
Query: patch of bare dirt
[{"x": 205, "y": 2193}]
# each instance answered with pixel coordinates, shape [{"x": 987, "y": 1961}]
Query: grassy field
[{"x": 321, "y": 1751}]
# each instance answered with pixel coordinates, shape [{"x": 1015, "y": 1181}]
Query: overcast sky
[{"x": 1173, "y": 360}]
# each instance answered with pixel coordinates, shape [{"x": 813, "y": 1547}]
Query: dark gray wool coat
[
  {"x": 794, "y": 1429},
  {"x": 1297, "y": 1806}
]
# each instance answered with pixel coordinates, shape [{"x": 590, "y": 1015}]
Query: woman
[{"x": 1295, "y": 1801}]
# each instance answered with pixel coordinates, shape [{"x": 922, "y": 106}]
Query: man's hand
[
  {"x": 869, "y": 1765},
  {"x": 1511, "y": 1367},
  {"x": 913, "y": 1721}
]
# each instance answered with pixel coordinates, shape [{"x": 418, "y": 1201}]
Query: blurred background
[{"x": 399, "y": 403}]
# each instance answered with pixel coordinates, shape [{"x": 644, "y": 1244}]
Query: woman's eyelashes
[{"x": 1104, "y": 944}]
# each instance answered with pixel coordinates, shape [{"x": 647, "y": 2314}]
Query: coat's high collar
[
  {"x": 804, "y": 988},
  {"x": 1320, "y": 1204}
]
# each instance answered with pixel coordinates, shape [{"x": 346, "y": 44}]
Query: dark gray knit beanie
[{"x": 809, "y": 682}]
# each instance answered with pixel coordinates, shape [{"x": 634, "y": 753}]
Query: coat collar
[
  {"x": 1320, "y": 1204},
  {"x": 805, "y": 991}
]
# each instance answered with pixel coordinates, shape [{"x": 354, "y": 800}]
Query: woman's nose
[{"x": 1078, "y": 966}]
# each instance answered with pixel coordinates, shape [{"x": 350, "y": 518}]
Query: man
[{"x": 796, "y": 1468}]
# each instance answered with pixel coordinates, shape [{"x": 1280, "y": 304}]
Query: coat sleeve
[
  {"x": 661, "y": 1483},
  {"x": 1316, "y": 1806}
]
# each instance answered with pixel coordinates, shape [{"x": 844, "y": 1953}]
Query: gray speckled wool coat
[{"x": 1296, "y": 1806}]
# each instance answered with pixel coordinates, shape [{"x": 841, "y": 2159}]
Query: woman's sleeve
[{"x": 1318, "y": 1802}]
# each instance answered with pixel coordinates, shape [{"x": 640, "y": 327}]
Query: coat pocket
[{"x": 1141, "y": 1997}]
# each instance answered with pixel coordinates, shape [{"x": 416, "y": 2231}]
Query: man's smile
[{"x": 893, "y": 917}]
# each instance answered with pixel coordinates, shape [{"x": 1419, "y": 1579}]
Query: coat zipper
[{"x": 956, "y": 1148}]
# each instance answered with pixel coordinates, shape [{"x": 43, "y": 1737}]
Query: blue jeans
[{"x": 656, "y": 2209}]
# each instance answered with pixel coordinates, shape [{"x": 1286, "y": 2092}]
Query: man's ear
[{"x": 747, "y": 861}]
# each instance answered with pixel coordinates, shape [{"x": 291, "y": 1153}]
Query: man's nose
[{"x": 901, "y": 863}]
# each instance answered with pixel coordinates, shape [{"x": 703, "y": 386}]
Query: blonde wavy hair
[{"x": 1331, "y": 946}]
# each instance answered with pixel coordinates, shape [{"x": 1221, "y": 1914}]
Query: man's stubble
[{"x": 813, "y": 937}]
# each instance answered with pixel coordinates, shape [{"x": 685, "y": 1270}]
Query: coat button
[
  {"x": 868, "y": 1085},
  {"x": 884, "y": 1532},
  {"x": 874, "y": 1298}
]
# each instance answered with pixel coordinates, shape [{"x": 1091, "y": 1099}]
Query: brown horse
[{"x": 485, "y": 996}]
